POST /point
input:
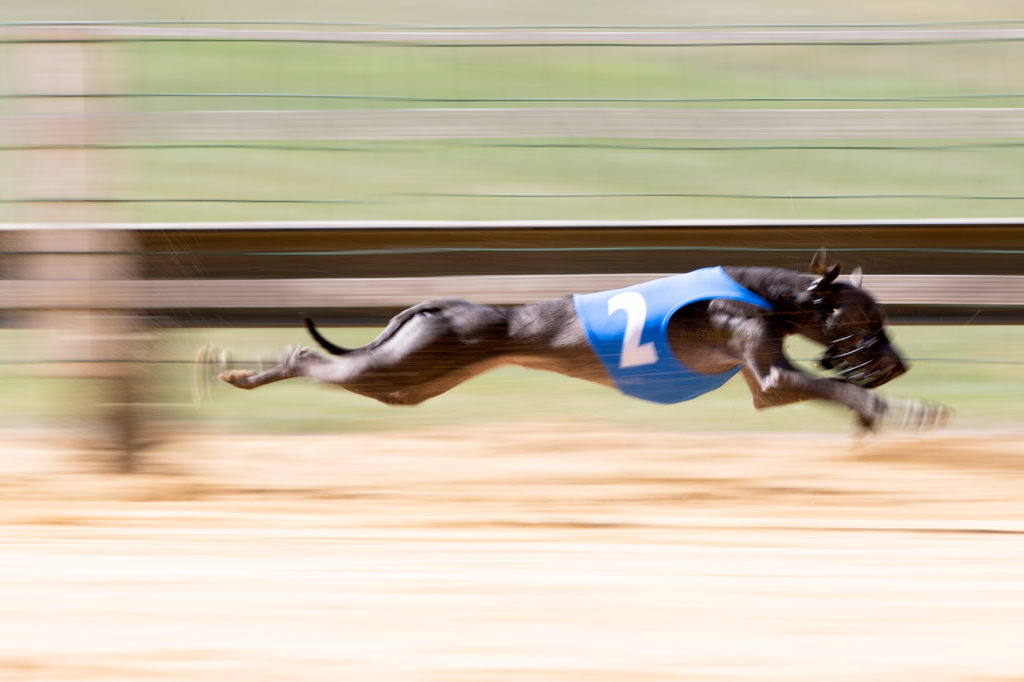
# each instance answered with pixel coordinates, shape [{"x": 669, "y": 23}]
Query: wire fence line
[
  {"x": 1009, "y": 362},
  {"x": 464, "y": 27},
  {"x": 521, "y": 36},
  {"x": 510, "y": 100},
  {"x": 400, "y": 197},
  {"x": 726, "y": 225},
  {"x": 525, "y": 144},
  {"x": 469, "y": 27},
  {"x": 405, "y": 251}
]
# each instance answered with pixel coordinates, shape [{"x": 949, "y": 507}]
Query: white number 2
[{"x": 634, "y": 353}]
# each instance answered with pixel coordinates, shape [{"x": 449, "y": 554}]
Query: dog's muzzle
[{"x": 872, "y": 361}]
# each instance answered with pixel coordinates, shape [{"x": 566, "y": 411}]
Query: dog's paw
[
  {"x": 871, "y": 414},
  {"x": 207, "y": 361},
  {"x": 916, "y": 415},
  {"x": 237, "y": 377}
]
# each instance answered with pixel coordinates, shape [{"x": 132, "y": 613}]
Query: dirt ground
[{"x": 519, "y": 552}]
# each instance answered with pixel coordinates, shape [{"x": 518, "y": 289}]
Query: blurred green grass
[
  {"x": 647, "y": 179},
  {"x": 755, "y": 75},
  {"x": 569, "y": 178},
  {"x": 978, "y": 371},
  {"x": 641, "y": 179}
]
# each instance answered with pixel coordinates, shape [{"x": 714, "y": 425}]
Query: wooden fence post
[{"x": 101, "y": 345}]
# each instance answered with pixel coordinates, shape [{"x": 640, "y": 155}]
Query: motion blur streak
[{"x": 200, "y": 174}]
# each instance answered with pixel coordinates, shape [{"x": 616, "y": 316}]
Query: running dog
[{"x": 667, "y": 341}]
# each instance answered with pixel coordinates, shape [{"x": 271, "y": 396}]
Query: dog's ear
[
  {"x": 825, "y": 268},
  {"x": 857, "y": 277},
  {"x": 822, "y": 264}
]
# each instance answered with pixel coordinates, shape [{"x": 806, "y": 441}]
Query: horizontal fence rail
[
  {"x": 942, "y": 270},
  {"x": 962, "y": 290},
  {"x": 541, "y": 122}
]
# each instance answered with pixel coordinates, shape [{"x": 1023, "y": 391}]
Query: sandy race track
[{"x": 537, "y": 552}]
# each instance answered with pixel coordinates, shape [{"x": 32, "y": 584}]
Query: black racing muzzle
[{"x": 871, "y": 363}]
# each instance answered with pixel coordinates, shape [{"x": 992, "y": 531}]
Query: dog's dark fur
[{"x": 434, "y": 346}]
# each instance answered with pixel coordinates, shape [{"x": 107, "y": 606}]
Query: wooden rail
[
  {"x": 234, "y": 273},
  {"x": 341, "y": 293}
]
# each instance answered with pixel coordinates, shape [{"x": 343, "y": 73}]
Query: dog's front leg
[
  {"x": 782, "y": 386},
  {"x": 774, "y": 381}
]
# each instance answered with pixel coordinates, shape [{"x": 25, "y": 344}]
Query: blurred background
[
  {"x": 177, "y": 175},
  {"x": 184, "y": 180}
]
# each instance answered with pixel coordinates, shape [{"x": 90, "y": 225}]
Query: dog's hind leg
[
  {"x": 295, "y": 362},
  {"x": 425, "y": 351}
]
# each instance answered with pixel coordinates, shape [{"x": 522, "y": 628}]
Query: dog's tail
[{"x": 324, "y": 343}]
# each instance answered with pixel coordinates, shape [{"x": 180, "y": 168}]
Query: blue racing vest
[{"x": 627, "y": 328}]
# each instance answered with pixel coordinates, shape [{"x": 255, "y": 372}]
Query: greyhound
[{"x": 667, "y": 340}]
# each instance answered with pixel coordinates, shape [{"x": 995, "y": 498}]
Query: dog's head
[{"x": 852, "y": 327}]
